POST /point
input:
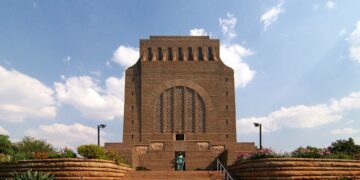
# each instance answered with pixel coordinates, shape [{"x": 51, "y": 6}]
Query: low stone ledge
[
  {"x": 296, "y": 168},
  {"x": 69, "y": 168}
]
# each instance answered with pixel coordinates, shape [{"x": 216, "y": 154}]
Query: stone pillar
[
  {"x": 175, "y": 53},
  {"x": 144, "y": 55},
  {"x": 154, "y": 52},
  {"x": 205, "y": 54},
  {"x": 195, "y": 54},
  {"x": 216, "y": 53},
  {"x": 165, "y": 54},
  {"x": 185, "y": 53}
]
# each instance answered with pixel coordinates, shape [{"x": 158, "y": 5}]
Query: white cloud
[
  {"x": 125, "y": 55},
  {"x": 96, "y": 73},
  {"x": 302, "y": 116},
  {"x": 342, "y": 32},
  {"x": 22, "y": 97},
  {"x": 198, "y": 32},
  {"x": 271, "y": 15},
  {"x": 345, "y": 131},
  {"x": 3, "y": 131},
  {"x": 94, "y": 102},
  {"x": 330, "y": 5},
  {"x": 232, "y": 56},
  {"x": 354, "y": 42},
  {"x": 67, "y": 59},
  {"x": 228, "y": 26},
  {"x": 61, "y": 135}
]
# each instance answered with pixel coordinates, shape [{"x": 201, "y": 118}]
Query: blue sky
[{"x": 297, "y": 65}]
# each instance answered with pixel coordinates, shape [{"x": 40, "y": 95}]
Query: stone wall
[
  {"x": 296, "y": 168},
  {"x": 69, "y": 168}
]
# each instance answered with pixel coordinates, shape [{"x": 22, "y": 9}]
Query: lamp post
[
  {"x": 100, "y": 126},
  {"x": 259, "y": 125}
]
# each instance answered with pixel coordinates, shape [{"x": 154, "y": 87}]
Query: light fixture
[
  {"x": 259, "y": 125},
  {"x": 100, "y": 126}
]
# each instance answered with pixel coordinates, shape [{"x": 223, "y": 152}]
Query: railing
[{"x": 222, "y": 170}]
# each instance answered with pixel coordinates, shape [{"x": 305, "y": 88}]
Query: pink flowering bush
[
  {"x": 301, "y": 152},
  {"x": 310, "y": 152},
  {"x": 340, "y": 149},
  {"x": 258, "y": 154},
  {"x": 243, "y": 156},
  {"x": 263, "y": 153}
]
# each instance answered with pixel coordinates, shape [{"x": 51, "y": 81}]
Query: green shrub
[
  {"x": 68, "y": 153},
  {"x": 5, "y": 158},
  {"x": 32, "y": 175},
  {"x": 114, "y": 156},
  {"x": 91, "y": 151},
  {"x": 63, "y": 153},
  {"x": 55, "y": 155},
  {"x": 5, "y": 145},
  {"x": 339, "y": 156}
]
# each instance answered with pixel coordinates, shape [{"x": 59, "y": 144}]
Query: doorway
[{"x": 180, "y": 161}]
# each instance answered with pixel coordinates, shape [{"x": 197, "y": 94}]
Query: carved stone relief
[
  {"x": 217, "y": 149},
  {"x": 202, "y": 146},
  {"x": 157, "y": 146},
  {"x": 179, "y": 109},
  {"x": 141, "y": 149}
]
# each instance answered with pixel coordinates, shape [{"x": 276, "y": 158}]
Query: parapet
[{"x": 179, "y": 48}]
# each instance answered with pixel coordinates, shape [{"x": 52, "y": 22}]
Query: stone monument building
[{"x": 179, "y": 98}]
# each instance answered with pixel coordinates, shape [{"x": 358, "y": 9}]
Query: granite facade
[{"x": 179, "y": 97}]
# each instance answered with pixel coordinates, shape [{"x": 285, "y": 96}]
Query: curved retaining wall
[
  {"x": 69, "y": 168},
  {"x": 296, "y": 168}
]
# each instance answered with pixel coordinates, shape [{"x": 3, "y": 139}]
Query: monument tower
[{"x": 179, "y": 99}]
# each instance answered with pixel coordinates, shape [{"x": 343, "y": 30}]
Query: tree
[
  {"x": 345, "y": 146},
  {"x": 26, "y": 148},
  {"x": 5, "y": 145}
]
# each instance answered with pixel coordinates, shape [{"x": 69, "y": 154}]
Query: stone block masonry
[
  {"x": 179, "y": 98},
  {"x": 297, "y": 168},
  {"x": 69, "y": 168}
]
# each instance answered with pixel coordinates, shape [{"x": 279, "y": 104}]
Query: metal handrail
[{"x": 220, "y": 167}]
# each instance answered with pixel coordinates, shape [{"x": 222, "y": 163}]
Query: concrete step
[{"x": 173, "y": 175}]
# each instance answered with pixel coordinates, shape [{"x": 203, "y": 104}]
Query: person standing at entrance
[{"x": 180, "y": 162}]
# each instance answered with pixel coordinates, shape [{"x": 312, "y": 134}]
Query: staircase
[{"x": 173, "y": 175}]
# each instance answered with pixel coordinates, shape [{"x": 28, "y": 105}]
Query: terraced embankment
[
  {"x": 69, "y": 168},
  {"x": 296, "y": 168}
]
